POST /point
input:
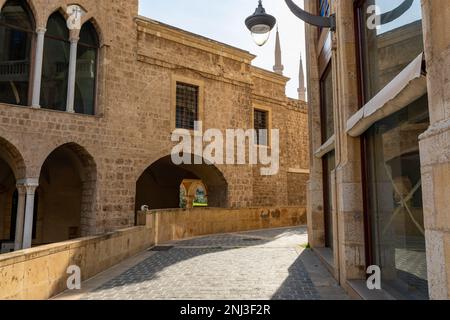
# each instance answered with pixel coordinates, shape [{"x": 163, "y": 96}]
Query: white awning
[{"x": 406, "y": 88}]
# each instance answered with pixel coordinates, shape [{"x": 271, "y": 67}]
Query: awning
[{"x": 406, "y": 88}]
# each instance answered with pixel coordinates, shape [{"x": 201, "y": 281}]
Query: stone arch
[
  {"x": 159, "y": 185},
  {"x": 12, "y": 169},
  {"x": 97, "y": 26},
  {"x": 67, "y": 187},
  {"x": 11, "y": 155},
  {"x": 29, "y": 5}
]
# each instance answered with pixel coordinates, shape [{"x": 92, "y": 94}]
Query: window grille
[
  {"x": 261, "y": 126},
  {"x": 187, "y": 106}
]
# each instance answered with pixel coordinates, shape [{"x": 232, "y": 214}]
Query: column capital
[
  {"x": 28, "y": 182},
  {"x": 21, "y": 189},
  {"x": 40, "y": 30},
  {"x": 27, "y": 186}
]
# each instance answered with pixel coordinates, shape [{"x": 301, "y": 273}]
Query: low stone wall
[
  {"x": 177, "y": 224},
  {"x": 41, "y": 272}
]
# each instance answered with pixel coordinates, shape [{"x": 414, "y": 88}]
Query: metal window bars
[{"x": 187, "y": 97}]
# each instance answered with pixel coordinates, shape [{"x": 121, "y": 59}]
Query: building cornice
[
  {"x": 268, "y": 75},
  {"x": 189, "y": 39}
]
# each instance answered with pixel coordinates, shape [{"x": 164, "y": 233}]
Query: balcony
[{"x": 16, "y": 71}]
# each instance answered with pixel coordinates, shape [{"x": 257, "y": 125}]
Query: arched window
[
  {"x": 16, "y": 34},
  {"x": 55, "y": 67},
  {"x": 86, "y": 70}
]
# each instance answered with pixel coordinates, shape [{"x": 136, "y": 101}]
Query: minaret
[
  {"x": 278, "y": 67},
  {"x": 301, "y": 82}
]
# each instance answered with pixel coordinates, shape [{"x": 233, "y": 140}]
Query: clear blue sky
[{"x": 223, "y": 20}]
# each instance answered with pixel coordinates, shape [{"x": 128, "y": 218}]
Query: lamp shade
[{"x": 260, "y": 24}]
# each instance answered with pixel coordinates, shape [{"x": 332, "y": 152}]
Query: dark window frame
[
  {"x": 359, "y": 52},
  {"x": 362, "y": 100},
  {"x": 97, "y": 55},
  {"x": 32, "y": 34},
  {"x": 327, "y": 209},
  {"x": 267, "y": 125},
  {"x": 323, "y": 112},
  {"x": 65, "y": 41},
  {"x": 180, "y": 123}
]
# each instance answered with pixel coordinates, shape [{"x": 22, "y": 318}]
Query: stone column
[
  {"x": 72, "y": 74},
  {"x": 29, "y": 213},
  {"x": 349, "y": 192},
  {"x": 20, "y": 217},
  {"x": 316, "y": 221},
  {"x": 35, "y": 102},
  {"x": 435, "y": 147}
]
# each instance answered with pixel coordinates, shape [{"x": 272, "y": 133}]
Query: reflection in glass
[
  {"x": 388, "y": 49},
  {"x": 16, "y": 33},
  {"x": 86, "y": 70},
  {"x": 395, "y": 201},
  {"x": 55, "y": 68}
]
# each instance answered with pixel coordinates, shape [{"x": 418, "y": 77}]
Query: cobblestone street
[{"x": 270, "y": 264}]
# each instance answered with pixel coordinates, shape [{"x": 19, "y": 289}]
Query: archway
[
  {"x": 159, "y": 185},
  {"x": 12, "y": 168},
  {"x": 66, "y": 195}
]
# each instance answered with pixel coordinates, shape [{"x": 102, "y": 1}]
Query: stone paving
[{"x": 261, "y": 265}]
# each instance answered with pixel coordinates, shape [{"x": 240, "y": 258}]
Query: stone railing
[
  {"x": 41, "y": 272},
  {"x": 177, "y": 224},
  {"x": 14, "y": 71}
]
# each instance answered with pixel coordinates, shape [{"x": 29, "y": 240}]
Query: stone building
[
  {"x": 86, "y": 117},
  {"x": 379, "y": 98}
]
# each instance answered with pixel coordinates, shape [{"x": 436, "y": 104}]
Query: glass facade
[
  {"x": 393, "y": 177},
  {"x": 395, "y": 200},
  {"x": 388, "y": 46},
  {"x": 16, "y": 34}
]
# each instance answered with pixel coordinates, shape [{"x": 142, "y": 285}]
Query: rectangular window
[
  {"x": 261, "y": 123},
  {"x": 328, "y": 161},
  {"x": 187, "y": 98},
  {"x": 327, "y": 114},
  {"x": 329, "y": 164},
  {"x": 388, "y": 43}
]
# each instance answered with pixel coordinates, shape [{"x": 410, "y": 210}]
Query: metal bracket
[
  {"x": 330, "y": 22},
  {"x": 318, "y": 21}
]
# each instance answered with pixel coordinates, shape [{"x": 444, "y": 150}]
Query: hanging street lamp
[{"x": 260, "y": 24}]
